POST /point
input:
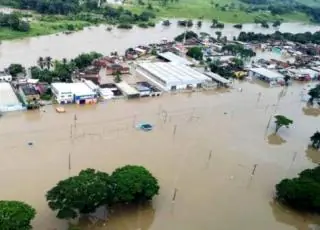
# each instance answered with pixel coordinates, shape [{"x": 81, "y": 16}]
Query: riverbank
[{"x": 38, "y": 28}]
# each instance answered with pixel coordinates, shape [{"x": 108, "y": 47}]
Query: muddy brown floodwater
[
  {"x": 213, "y": 192},
  {"x": 27, "y": 51}
]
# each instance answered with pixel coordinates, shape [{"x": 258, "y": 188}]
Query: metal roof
[
  {"x": 217, "y": 77},
  {"x": 174, "y": 74},
  {"x": 127, "y": 89},
  {"x": 175, "y": 58},
  {"x": 267, "y": 73}
]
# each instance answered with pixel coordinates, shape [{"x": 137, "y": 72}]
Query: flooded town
[{"x": 196, "y": 107}]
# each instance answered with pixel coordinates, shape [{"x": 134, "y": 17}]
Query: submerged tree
[
  {"x": 282, "y": 121},
  {"x": 315, "y": 140},
  {"x": 301, "y": 193},
  {"x": 15, "y": 215},
  {"x": 133, "y": 184},
  {"x": 81, "y": 194},
  {"x": 117, "y": 77},
  {"x": 314, "y": 94}
]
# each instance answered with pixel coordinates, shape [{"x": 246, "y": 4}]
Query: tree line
[
  {"x": 303, "y": 38},
  {"x": 83, "y": 194},
  {"x": 14, "y": 21}
]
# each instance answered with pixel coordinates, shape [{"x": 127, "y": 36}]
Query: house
[
  {"x": 28, "y": 93},
  {"x": 113, "y": 68},
  {"x": 78, "y": 93},
  {"x": 5, "y": 76}
]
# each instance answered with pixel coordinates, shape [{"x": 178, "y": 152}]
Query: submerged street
[{"x": 204, "y": 148}]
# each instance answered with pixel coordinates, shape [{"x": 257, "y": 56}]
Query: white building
[
  {"x": 269, "y": 76},
  {"x": 5, "y": 77},
  {"x": 127, "y": 90},
  {"x": 8, "y": 99},
  {"x": 169, "y": 76},
  {"x": 78, "y": 93}
]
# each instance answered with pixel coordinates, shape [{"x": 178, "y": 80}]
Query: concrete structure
[
  {"x": 169, "y": 76},
  {"x": 78, "y": 93},
  {"x": 269, "y": 76},
  {"x": 173, "y": 58},
  {"x": 127, "y": 90},
  {"x": 8, "y": 99}
]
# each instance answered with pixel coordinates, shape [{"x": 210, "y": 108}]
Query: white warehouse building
[{"x": 170, "y": 76}]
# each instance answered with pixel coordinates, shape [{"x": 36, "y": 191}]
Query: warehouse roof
[
  {"x": 218, "y": 78},
  {"x": 174, "y": 58},
  {"x": 174, "y": 74}
]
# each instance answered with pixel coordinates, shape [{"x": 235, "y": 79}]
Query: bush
[
  {"x": 151, "y": 24},
  {"x": 125, "y": 26},
  {"x": 143, "y": 25},
  {"x": 301, "y": 193}
]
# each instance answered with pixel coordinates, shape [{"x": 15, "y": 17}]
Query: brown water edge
[{"x": 212, "y": 193}]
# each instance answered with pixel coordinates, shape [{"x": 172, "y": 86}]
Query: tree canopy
[
  {"x": 281, "y": 121},
  {"x": 196, "y": 53},
  {"x": 15, "y": 215},
  {"x": 15, "y": 69},
  {"x": 315, "y": 140},
  {"x": 84, "y": 193},
  {"x": 186, "y": 35},
  {"x": 314, "y": 93},
  {"x": 133, "y": 183},
  {"x": 299, "y": 37},
  {"x": 80, "y": 194},
  {"x": 301, "y": 193},
  {"x": 14, "y": 21}
]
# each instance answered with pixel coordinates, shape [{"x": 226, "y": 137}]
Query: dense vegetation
[
  {"x": 15, "y": 215},
  {"x": 14, "y": 21},
  {"x": 284, "y": 7},
  {"x": 303, "y": 38},
  {"x": 301, "y": 193},
  {"x": 90, "y": 189},
  {"x": 49, "y": 70}
]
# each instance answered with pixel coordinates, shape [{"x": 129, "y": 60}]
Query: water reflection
[
  {"x": 136, "y": 217},
  {"x": 311, "y": 111},
  {"x": 274, "y": 139},
  {"x": 313, "y": 155},
  {"x": 297, "y": 220}
]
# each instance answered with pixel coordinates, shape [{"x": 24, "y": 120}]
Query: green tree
[
  {"x": 218, "y": 33},
  {"x": 196, "y": 53},
  {"x": 117, "y": 77},
  {"x": 15, "y": 215},
  {"x": 282, "y": 121},
  {"x": 15, "y": 69},
  {"x": 314, "y": 93},
  {"x": 41, "y": 62},
  {"x": 48, "y": 62},
  {"x": 133, "y": 184},
  {"x": 80, "y": 194},
  {"x": 301, "y": 193},
  {"x": 315, "y": 140}
]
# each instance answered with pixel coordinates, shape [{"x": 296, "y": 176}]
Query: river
[
  {"x": 27, "y": 51},
  {"x": 213, "y": 192}
]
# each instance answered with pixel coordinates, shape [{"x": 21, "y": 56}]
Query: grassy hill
[{"x": 232, "y": 11}]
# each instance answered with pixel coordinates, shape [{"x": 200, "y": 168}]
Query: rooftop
[
  {"x": 127, "y": 89},
  {"x": 75, "y": 88},
  {"x": 173, "y": 73},
  {"x": 28, "y": 90},
  {"x": 267, "y": 73},
  {"x": 7, "y": 95},
  {"x": 175, "y": 58},
  {"x": 217, "y": 77}
]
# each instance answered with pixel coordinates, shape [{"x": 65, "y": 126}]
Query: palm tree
[
  {"x": 48, "y": 61},
  {"x": 41, "y": 62},
  {"x": 315, "y": 139},
  {"x": 64, "y": 61}
]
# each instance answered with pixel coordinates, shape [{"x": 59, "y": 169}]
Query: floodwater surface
[
  {"x": 204, "y": 145},
  {"x": 27, "y": 51}
]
